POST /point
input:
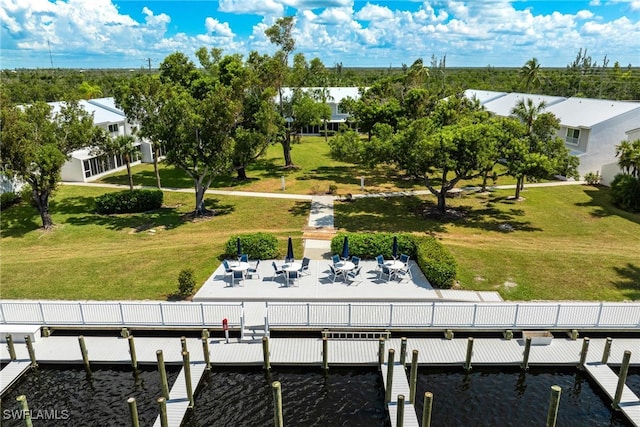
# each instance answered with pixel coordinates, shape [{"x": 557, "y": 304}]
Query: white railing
[
  {"x": 452, "y": 315},
  {"x": 128, "y": 313}
]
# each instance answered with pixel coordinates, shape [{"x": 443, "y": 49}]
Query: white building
[{"x": 591, "y": 128}]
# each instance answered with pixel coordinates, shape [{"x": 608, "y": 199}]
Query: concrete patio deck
[{"x": 318, "y": 285}]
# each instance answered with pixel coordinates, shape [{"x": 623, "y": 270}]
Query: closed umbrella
[
  {"x": 395, "y": 247},
  {"x": 290, "y": 256},
  {"x": 345, "y": 248},
  {"x": 239, "y": 246}
]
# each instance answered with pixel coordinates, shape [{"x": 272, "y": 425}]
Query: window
[
  {"x": 113, "y": 128},
  {"x": 573, "y": 136}
]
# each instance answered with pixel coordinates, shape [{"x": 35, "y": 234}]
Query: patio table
[
  {"x": 394, "y": 266},
  {"x": 344, "y": 267},
  {"x": 291, "y": 266}
]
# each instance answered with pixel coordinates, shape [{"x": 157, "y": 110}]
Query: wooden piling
[
  {"x": 622, "y": 379},
  {"x": 607, "y": 351},
  {"x": 183, "y": 343},
  {"x": 85, "y": 354},
  {"x": 552, "y": 414},
  {"x": 132, "y": 352},
  {"x": 325, "y": 354},
  {"x": 32, "y": 353},
  {"x": 400, "y": 413},
  {"x": 277, "y": 404},
  {"x": 403, "y": 351},
  {"x": 187, "y": 377},
  {"x": 205, "y": 334},
  {"x": 265, "y": 353},
  {"x": 467, "y": 362},
  {"x": 162, "y": 409},
  {"x": 390, "y": 363},
  {"x": 583, "y": 352},
  {"x": 205, "y": 352},
  {"x": 25, "y": 410},
  {"x": 413, "y": 377},
  {"x": 133, "y": 410},
  {"x": 427, "y": 408},
  {"x": 11, "y": 347},
  {"x": 163, "y": 374},
  {"x": 527, "y": 350},
  {"x": 380, "y": 353}
]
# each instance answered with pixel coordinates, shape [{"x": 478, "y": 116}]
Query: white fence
[
  {"x": 97, "y": 313},
  {"x": 456, "y": 315}
]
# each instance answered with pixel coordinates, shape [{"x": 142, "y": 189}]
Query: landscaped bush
[
  {"x": 370, "y": 245},
  {"x": 130, "y": 201},
  {"x": 8, "y": 199},
  {"x": 625, "y": 192},
  {"x": 436, "y": 262},
  {"x": 256, "y": 245},
  {"x": 186, "y": 282}
]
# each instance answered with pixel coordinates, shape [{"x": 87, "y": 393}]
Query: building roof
[
  {"x": 107, "y": 103},
  {"x": 101, "y": 115},
  {"x": 483, "y": 96},
  {"x": 586, "y": 112},
  {"x": 503, "y": 105},
  {"x": 336, "y": 94}
]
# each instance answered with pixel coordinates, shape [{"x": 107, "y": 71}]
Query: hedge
[
  {"x": 129, "y": 201},
  {"x": 436, "y": 262},
  {"x": 625, "y": 192},
  {"x": 256, "y": 245}
]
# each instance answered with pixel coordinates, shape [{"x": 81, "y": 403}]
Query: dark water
[
  {"x": 633, "y": 379},
  {"x": 64, "y": 396},
  {"x": 508, "y": 397},
  {"x": 243, "y": 397}
]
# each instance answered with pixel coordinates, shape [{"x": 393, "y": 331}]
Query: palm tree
[
  {"x": 121, "y": 145},
  {"x": 629, "y": 154},
  {"x": 89, "y": 91},
  {"x": 531, "y": 74},
  {"x": 527, "y": 112}
]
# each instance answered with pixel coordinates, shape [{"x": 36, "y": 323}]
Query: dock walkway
[
  {"x": 608, "y": 381},
  {"x": 12, "y": 372},
  {"x": 399, "y": 385},
  {"x": 178, "y": 402}
]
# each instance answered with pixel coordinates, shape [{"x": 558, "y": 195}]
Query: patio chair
[
  {"x": 385, "y": 270},
  {"x": 335, "y": 259},
  {"x": 253, "y": 271},
  {"x": 277, "y": 271},
  {"x": 354, "y": 273},
  {"x": 305, "y": 266},
  {"x": 334, "y": 272},
  {"x": 356, "y": 261},
  {"x": 227, "y": 269},
  {"x": 406, "y": 270},
  {"x": 380, "y": 261},
  {"x": 237, "y": 275},
  {"x": 244, "y": 258},
  {"x": 292, "y": 277}
]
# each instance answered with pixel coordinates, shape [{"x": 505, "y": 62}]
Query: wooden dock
[
  {"x": 12, "y": 372},
  {"x": 608, "y": 381},
  {"x": 178, "y": 402},
  {"x": 399, "y": 385}
]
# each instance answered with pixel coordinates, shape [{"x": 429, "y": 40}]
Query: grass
[
  {"x": 89, "y": 256},
  {"x": 568, "y": 243}
]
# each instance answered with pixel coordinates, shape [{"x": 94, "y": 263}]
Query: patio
[{"x": 318, "y": 285}]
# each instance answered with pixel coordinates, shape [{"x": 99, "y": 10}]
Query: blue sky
[{"x": 126, "y": 33}]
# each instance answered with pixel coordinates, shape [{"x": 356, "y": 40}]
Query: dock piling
[
  {"x": 265, "y": 353},
  {"x": 162, "y": 403},
  {"x": 32, "y": 353},
  {"x": 413, "y": 377},
  {"x": 400, "y": 413},
  {"x": 11, "y": 347},
  {"x": 277, "y": 404},
  {"x": 25, "y": 410},
  {"x": 132, "y": 352},
  {"x": 187, "y": 377},
  {"x": 133, "y": 410},
  {"x": 325, "y": 354},
  {"x": 85, "y": 354},
  {"x": 467, "y": 363},
  {"x": 552, "y": 414},
  {"x": 527, "y": 350},
  {"x": 622, "y": 379},
  {"x": 183, "y": 343},
  {"x": 163, "y": 374},
  {"x": 390, "y": 363},
  {"x": 205, "y": 333},
  {"x": 583, "y": 353},
  {"x": 403, "y": 351},
  {"x": 427, "y": 408},
  {"x": 205, "y": 351},
  {"x": 607, "y": 351},
  {"x": 380, "y": 353}
]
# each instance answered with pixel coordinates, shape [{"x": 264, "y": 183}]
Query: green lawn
[{"x": 568, "y": 243}]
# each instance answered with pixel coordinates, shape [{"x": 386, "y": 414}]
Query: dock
[
  {"x": 178, "y": 402},
  {"x": 608, "y": 381},
  {"x": 12, "y": 372},
  {"x": 399, "y": 386}
]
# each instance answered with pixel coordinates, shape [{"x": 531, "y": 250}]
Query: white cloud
[
  {"x": 214, "y": 26},
  {"x": 584, "y": 14},
  {"x": 253, "y": 7},
  {"x": 373, "y": 12},
  {"x": 635, "y": 5}
]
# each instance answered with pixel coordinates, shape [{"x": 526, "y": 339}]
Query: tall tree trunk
[
  {"x": 442, "y": 201},
  {"x": 286, "y": 148},
  {"x": 326, "y": 137},
  {"x": 518, "y": 186},
  {"x": 485, "y": 176},
  {"x": 156, "y": 153},
  {"x": 242, "y": 173},
  {"x": 42, "y": 204},
  {"x": 200, "y": 210},
  {"x": 128, "y": 163}
]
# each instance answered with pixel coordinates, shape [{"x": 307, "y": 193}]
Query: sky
[{"x": 376, "y": 33}]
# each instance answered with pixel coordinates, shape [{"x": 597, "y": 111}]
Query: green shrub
[
  {"x": 129, "y": 201},
  {"x": 9, "y": 199},
  {"x": 333, "y": 189},
  {"x": 436, "y": 262},
  {"x": 186, "y": 283},
  {"x": 370, "y": 245},
  {"x": 256, "y": 245},
  {"x": 625, "y": 192},
  {"x": 592, "y": 178}
]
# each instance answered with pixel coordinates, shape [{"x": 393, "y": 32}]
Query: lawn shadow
[
  {"x": 629, "y": 282},
  {"x": 601, "y": 202},
  {"x": 300, "y": 209},
  {"x": 19, "y": 219},
  {"x": 166, "y": 217}
]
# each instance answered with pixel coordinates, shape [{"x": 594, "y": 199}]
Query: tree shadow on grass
[
  {"x": 629, "y": 283},
  {"x": 300, "y": 209},
  {"x": 602, "y": 205},
  {"x": 19, "y": 219}
]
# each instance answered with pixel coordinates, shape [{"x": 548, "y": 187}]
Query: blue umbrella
[
  {"x": 345, "y": 248},
  {"x": 290, "y": 256},
  {"x": 239, "y": 246},
  {"x": 395, "y": 247}
]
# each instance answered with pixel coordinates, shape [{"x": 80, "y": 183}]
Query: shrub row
[
  {"x": 256, "y": 245},
  {"x": 625, "y": 192},
  {"x": 8, "y": 199},
  {"x": 436, "y": 262},
  {"x": 130, "y": 201}
]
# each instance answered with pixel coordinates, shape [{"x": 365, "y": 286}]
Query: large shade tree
[{"x": 36, "y": 142}]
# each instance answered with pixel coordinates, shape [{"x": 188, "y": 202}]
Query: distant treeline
[{"x": 589, "y": 81}]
